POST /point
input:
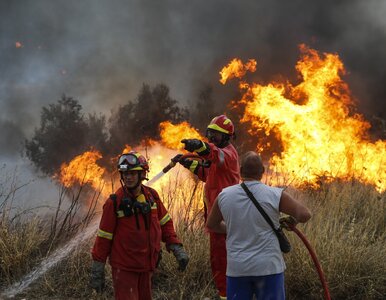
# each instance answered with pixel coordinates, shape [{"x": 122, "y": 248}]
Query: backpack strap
[
  {"x": 150, "y": 192},
  {"x": 113, "y": 197}
]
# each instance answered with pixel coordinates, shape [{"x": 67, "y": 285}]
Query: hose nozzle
[{"x": 169, "y": 167}]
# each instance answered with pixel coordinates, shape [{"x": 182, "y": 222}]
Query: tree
[
  {"x": 153, "y": 107},
  {"x": 63, "y": 133},
  {"x": 204, "y": 108},
  {"x": 97, "y": 133},
  {"x": 121, "y": 128},
  {"x": 140, "y": 119}
]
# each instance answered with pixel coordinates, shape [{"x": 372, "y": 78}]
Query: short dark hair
[{"x": 251, "y": 165}]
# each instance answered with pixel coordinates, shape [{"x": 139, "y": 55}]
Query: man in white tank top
[{"x": 255, "y": 263}]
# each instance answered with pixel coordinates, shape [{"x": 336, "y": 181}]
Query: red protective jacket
[
  {"x": 223, "y": 172},
  {"x": 128, "y": 247}
]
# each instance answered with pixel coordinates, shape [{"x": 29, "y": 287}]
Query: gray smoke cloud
[{"x": 100, "y": 52}]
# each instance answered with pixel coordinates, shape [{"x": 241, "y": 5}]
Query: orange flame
[
  {"x": 319, "y": 136},
  {"x": 236, "y": 69},
  {"x": 172, "y": 135},
  {"x": 157, "y": 155},
  {"x": 127, "y": 149},
  {"x": 83, "y": 169}
]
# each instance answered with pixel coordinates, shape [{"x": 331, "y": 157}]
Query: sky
[{"x": 101, "y": 51}]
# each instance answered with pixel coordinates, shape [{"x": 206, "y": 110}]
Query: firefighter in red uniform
[
  {"x": 222, "y": 172},
  {"x": 133, "y": 223}
]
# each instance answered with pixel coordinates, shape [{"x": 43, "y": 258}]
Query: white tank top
[{"x": 252, "y": 246}]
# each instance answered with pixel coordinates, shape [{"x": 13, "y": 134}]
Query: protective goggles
[
  {"x": 129, "y": 162},
  {"x": 212, "y": 132}
]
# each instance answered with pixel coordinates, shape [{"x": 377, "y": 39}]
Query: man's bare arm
[
  {"x": 294, "y": 208},
  {"x": 215, "y": 220}
]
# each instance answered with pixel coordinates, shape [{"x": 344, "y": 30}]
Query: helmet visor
[{"x": 128, "y": 162}]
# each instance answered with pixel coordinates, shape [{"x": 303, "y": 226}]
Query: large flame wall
[
  {"x": 319, "y": 134},
  {"x": 313, "y": 120}
]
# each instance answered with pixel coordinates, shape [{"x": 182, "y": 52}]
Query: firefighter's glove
[
  {"x": 180, "y": 255},
  {"x": 191, "y": 164},
  {"x": 288, "y": 222},
  {"x": 97, "y": 276},
  {"x": 195, "y": 145}
]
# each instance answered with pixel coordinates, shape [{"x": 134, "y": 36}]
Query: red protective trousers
[
  {"x": 131, "y": 285},
  {"x": 223, "y": 172},
  {"x": 218, "y": 261}
]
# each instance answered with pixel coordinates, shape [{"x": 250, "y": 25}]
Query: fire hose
[
  {"x": 292, "y": 227},
  {"x": 287, "y": 225}
]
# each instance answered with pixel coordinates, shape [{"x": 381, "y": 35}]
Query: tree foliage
[
  {"x": 138, "y": 120},
  {"x": 97, "y": 133},
  {"x": 64, "y": 132},
  {"x": 204, "y": 109}
]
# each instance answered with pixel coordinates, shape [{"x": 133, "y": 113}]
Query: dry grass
[
  {"x": 347, "y": 231},
  {"x": 20, "y": 246},
  {"x": 348, "y": 234}
]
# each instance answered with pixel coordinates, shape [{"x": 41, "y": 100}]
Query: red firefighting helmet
[
  {"x": 223, "y": 124},
  {"x": 132, "y": 161}
]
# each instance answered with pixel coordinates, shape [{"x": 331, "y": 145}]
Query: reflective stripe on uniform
[
  {"x": 105, "y": 234},
  {"x": 193, "y": 166},
  {"x": 120, "y": 214},
  {"x": 165, "y": 219},
  {"x": 203, "y": 148},
  {"x": 141, "y": 198},
  {"x": 221, "y": 157}
]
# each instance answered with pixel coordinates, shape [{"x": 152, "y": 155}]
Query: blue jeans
[{"x": 269, "y": 287}]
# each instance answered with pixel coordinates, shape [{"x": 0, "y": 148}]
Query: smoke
[
  {"x": 23, "y": 192},
  {"x": 100, "y": 52}
]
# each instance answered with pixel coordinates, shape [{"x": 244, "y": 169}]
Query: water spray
[
  {"x": 58, "y": 255},
  {"x": 62, "y": 252}
]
